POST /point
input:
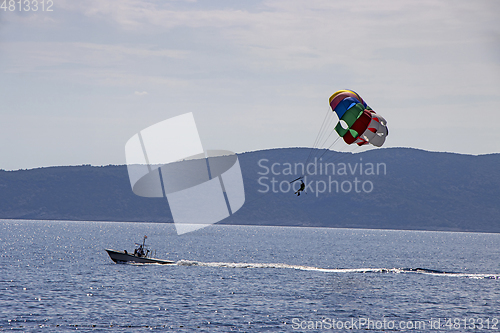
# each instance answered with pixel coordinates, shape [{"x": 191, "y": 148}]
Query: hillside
[{"x": 394, "y": 188}]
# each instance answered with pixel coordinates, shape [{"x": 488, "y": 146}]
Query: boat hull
[{"x": 122, "y": 257}]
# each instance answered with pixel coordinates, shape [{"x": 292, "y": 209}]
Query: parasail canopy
[{"x": 358, "y": 123}]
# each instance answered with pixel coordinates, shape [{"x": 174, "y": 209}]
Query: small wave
[{"x": 337, "y": 270}]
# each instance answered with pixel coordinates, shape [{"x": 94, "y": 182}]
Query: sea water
[{"x": 56, "y": 276}]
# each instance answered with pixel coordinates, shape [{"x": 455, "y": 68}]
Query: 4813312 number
[
  {"x": 471, "y": 323},
  {"x": 27, "y": 5}
]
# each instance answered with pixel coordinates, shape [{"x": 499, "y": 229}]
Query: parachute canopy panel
[{"x": 358, "y": 123}]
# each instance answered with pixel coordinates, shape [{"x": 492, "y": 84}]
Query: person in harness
[{"x": 302, "y": 188}]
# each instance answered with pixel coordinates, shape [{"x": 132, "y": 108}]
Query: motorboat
[{"x": 141, "y": 255}]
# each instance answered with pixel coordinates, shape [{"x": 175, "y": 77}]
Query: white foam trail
[
  {"x": 466, "y": 275},
  {"x": 335, "y": 270}
]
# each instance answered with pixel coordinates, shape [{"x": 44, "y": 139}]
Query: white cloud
[
  {"x": 29, "y": 56},
  {"x": 90, "y": 63},
  {"x": 139, "y": 15},
  {"x": 418, "y": 44}
]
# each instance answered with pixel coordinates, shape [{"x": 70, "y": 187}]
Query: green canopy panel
[{"x": 349, "y": 117}]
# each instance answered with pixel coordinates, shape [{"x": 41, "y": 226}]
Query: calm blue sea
[{"x": 56, "y": 277}]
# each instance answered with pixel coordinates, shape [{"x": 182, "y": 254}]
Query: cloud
[
  {"x": 296, "y": 34},
  {"x": 140, "y": 93},
  {"x": 114, "y": 51},
  {"x": 28, "y": 55},
  {"x": 139, "y": 15},
  {"x": 414, "y": 54},
  {"x": 103, "y": 64}
]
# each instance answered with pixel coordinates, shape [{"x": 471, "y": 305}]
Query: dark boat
[{"x": 139, "y": 256}]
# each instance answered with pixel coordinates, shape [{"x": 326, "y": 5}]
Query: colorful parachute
[{"x": 358, "y": 123}]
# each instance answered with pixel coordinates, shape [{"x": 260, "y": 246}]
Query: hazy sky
[{"x": 79, "y": 81}]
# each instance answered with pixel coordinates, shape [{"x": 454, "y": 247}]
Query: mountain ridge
[{"x": 418, "y": 190}]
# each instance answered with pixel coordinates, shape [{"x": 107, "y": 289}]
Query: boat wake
[{"x": 339, "y": 270}]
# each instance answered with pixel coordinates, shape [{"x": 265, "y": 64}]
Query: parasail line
[{"x": 319, "y": 134}]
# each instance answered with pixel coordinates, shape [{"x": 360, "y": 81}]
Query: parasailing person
[{"x": 302, "y": 188}]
